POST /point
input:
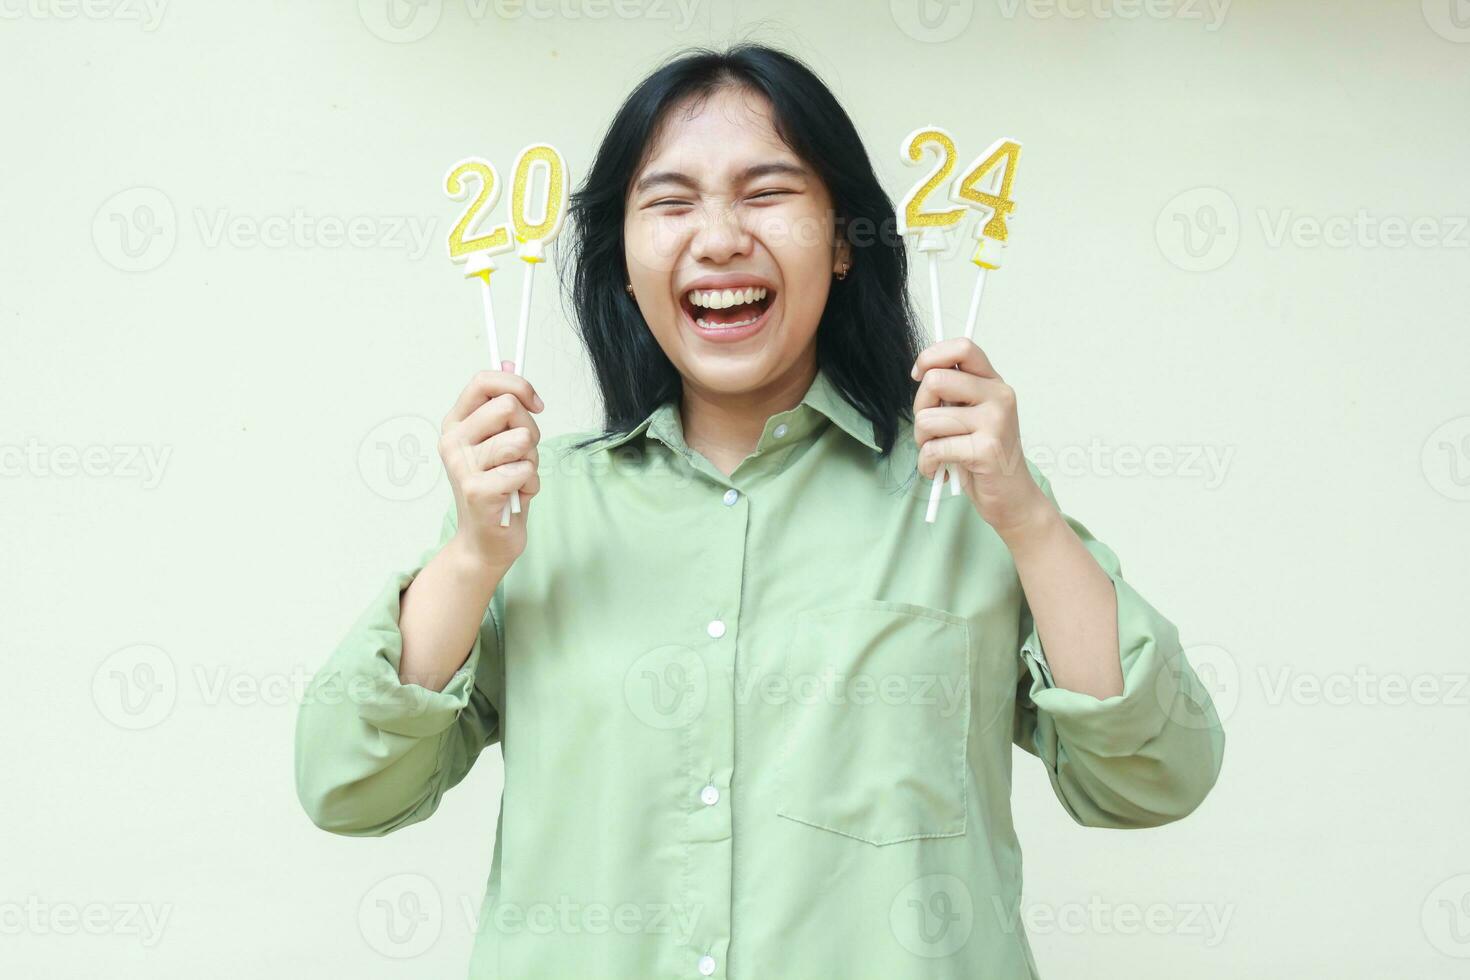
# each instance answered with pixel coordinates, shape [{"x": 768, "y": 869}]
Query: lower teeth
[{"x": 726, "y": 326}]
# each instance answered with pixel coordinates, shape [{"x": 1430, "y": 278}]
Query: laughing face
[{"x": 730, "y": 246}]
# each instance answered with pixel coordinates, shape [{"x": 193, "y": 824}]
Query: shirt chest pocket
[{"x": 876, "y": 720}]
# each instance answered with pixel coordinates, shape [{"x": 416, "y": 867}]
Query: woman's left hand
[{"x": 976, "y": 431}]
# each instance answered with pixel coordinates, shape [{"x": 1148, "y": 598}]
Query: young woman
[{"x": 757, "y": 716}]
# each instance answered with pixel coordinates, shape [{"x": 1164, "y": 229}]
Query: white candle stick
[
  {"x": 514, "y": 502},
  {"x": 954, "y": 485},
  {"x": 490, "y": 318},
  {"x": 944, "y": 472},
  {"x": 931, "y": 227},
  {"x": 474, "y": 252},
  {"x": 532, "y": 234},
  {"x": 986, "y": 186}
]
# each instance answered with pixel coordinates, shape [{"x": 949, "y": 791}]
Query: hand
[
  {"x": 977, "y": 432},
  {"x": 488, "y": 443}
]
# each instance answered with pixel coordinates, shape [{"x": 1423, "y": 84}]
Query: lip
[{"x": 728, "y": 280}]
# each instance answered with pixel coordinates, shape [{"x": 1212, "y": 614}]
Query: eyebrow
[{"x": 749, "y": 173}]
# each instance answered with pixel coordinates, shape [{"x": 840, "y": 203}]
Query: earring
[
  {"x": 629, "y": 288},
  {"x": 842, "y": 272}
]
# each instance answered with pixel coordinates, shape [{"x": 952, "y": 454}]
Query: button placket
[{"x": 711, "y": 740}]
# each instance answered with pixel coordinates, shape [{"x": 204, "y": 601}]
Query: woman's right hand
[{"x": 488, "y": 444}]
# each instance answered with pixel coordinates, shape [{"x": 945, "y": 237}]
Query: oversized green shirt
[{"x": 755, "y": 726}]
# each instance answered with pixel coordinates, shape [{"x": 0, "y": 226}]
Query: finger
[
  {"x": 521, "y": 476},
  {"x": 978, "y": 452},
  {"x": 484, "y": 386},
  {"x": 929, "y": 465},
  {"x": 955, "y": 449},
  {"x": 953, "y": 351},
  {"x": 489, "y": 490},
  {"x": 944, "y": 420},
  {"x": 504, "y": 447},
  {"x": 961, "y": 388},
  {"x": 504, "y": 411}
]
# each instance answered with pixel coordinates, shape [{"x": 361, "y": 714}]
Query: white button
[
  {"x": 731, "y": 496},
  {"x": 779, "y": 431},
  {"x": 716, "y": 628},
  {"x": 709, "y": 795},
  {"x": 707, "y": 965}
]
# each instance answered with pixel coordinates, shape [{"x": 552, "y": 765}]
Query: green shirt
[{"x": 758, "y": 725}]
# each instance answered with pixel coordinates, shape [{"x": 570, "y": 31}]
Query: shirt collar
[{"x": 823, "y": 400}]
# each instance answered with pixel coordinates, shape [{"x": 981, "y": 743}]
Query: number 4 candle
[{"x": 985, "y": 185}]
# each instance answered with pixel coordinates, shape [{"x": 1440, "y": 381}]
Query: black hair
[{"x": 867, "y": 339}]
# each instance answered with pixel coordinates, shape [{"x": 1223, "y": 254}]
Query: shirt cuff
[
  {"x": 1148, "y": 645},
  {"x": 368, "y": 662}
]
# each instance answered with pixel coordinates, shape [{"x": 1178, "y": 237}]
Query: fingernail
[
  {"x": 539, "y": 403},
  {"x": 914, "y": 372}
]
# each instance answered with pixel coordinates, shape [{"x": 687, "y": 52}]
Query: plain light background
[{"x": 1234, "y": 308}]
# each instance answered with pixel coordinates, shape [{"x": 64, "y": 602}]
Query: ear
[{"x": 843, "y": 256}]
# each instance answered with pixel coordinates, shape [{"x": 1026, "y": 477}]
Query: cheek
[
  {"x": 652, "y": 247},
  {"x": 806, "y": 268}
]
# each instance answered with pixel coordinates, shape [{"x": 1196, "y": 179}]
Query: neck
[{"x": 725, "y": 428}]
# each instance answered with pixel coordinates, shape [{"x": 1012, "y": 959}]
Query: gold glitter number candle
[
  {"x": 534, "y": 231},
  {"x": 985, "y": 186},
  {"x": 930, "y": 228},
  {"x": 473, "y": 250}
]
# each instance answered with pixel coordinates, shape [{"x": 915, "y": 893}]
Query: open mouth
[{"x": 716, "y": 310}]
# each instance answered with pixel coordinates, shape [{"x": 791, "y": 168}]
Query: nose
[{"x": 720, "y": 236}]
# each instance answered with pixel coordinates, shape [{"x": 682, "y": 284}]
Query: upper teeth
[{"x": 718, "y": 299}]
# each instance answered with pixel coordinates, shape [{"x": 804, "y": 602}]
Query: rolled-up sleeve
[
  {"x": 374, "y": 754},
  {"x": 1142, "y": 758}
]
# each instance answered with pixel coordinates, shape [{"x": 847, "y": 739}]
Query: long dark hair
[{"x": 867, "y": 340}]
